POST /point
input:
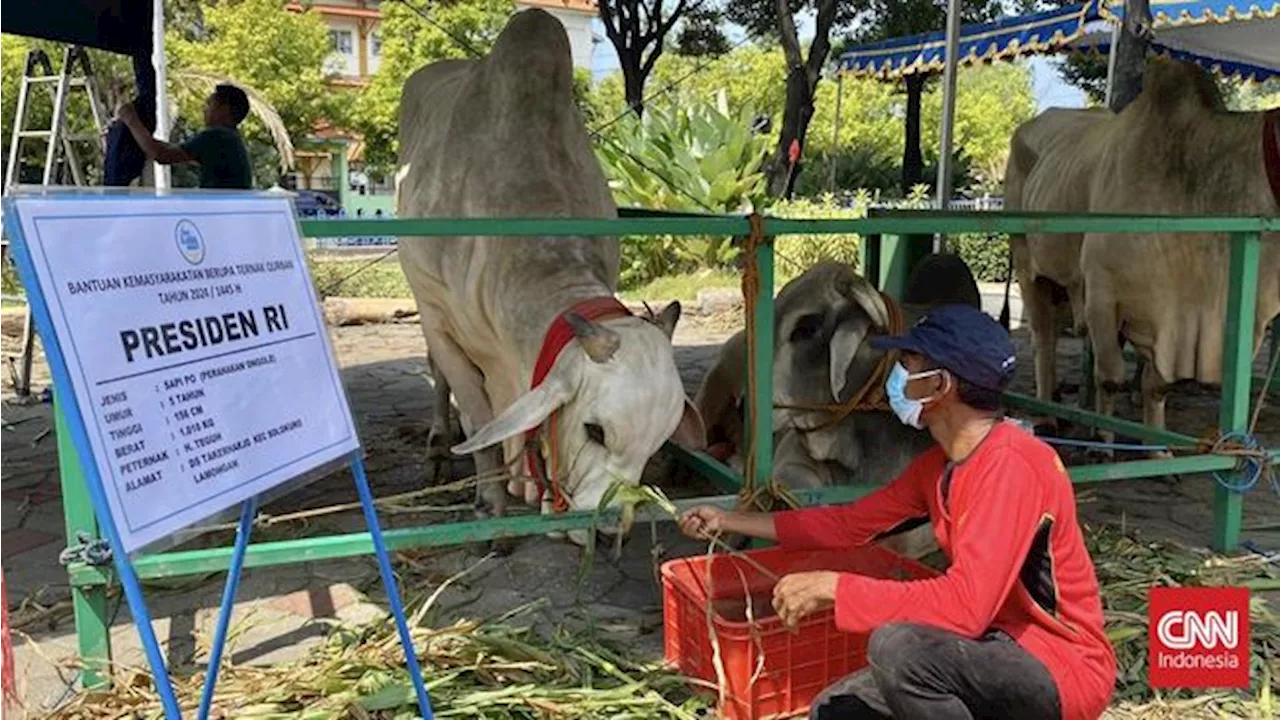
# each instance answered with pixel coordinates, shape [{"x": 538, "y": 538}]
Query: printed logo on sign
[
  {"x": 190, "y": 243},
  {"x": 1198, "y": 638}
]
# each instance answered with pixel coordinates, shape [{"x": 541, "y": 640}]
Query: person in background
[
  {"x": 1014, "y": 628},
  {"x": 218, "y": 148}
]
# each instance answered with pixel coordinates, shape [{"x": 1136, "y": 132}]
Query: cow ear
[
  {"x": 846, "y": 340},
  {"x": 691, "y": 433},
  {"x": 526, "y": 413},
  {"x": 668, "y": 318}
]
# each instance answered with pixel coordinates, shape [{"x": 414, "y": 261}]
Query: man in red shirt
[{"x": 1014, "y": 628}]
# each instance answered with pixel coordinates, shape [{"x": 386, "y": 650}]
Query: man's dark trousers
[{"x": 918, "y": 671}]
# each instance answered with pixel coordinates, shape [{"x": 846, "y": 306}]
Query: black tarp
[{"x": 120, "y": 26}]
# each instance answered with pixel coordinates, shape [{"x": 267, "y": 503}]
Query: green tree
[
  {"x": 415, "y": 33},
  {"x": 885, "y": 19},
  {"x": 701, "y": 34},
  {"x": 991, "y": 102},
  {"x": 751, "y": 76},
  {"x": 275, "y": 53},
  {"x": 638, "y": 30},
  {"x": 777, "y": 18}
]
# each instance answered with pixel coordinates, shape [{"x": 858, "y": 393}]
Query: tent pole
[
  {"x": 162, "y": 86},
  {"x": 948, "y": 113},
  {"x": 1111, "y": 61}
]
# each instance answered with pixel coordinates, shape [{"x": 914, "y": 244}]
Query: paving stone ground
[{"x": 281, "y": 610}]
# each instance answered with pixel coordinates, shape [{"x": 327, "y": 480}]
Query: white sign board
[{"x": 196, "y": 349}]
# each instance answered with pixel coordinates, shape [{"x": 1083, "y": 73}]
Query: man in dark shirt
[{"x": 221, "y": 154}]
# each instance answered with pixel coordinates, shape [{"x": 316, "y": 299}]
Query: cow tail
[{"x": 1005, "y": 314}]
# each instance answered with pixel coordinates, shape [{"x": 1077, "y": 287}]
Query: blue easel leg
[
  {"x": 393, "y": 591},
  {"x": 247, "y": 511}
]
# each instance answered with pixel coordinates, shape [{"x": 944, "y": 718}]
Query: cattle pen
[{"x": 888, "y": 257}]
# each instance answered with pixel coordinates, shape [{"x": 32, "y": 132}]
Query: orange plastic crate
[{"x": 798, "y": 664}]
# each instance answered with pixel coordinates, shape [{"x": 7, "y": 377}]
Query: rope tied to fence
[
  {"x": 871, "y": 396},
  {"x": 750, "y": 496},
  {"x": 89, "y": 550}
]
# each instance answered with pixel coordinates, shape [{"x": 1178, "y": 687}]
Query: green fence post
[
  {"x": 89, "y": 604},
  {"x": 871, "y": 253},
  {"x": 898, "y": 258},
  {"x": 1237, "y": 374},
  {"x": 762, "y": 415},
  {"x": 893, "y": 265}
]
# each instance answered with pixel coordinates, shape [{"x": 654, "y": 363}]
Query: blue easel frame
[{"x": 93, "y": 481}]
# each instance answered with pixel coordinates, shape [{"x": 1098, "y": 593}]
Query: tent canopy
[
  {"x": 1215, "y": 34},
  {"x": 119, "y": 26}
]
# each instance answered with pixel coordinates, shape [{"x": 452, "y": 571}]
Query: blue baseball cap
[{"x": 962, "y": 339}]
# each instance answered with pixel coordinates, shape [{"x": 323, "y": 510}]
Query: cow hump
[
  {"x": 1168, "y": 84},
  {"x": 532, "y": 59}
]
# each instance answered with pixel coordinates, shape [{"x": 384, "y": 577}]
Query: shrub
[
  {"x": 986, "y": 255},
  {"x": 796, "y": 253},
  {"x": 700, "y": 158}
]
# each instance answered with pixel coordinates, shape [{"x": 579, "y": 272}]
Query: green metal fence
[{"x": 889, "y": 253}]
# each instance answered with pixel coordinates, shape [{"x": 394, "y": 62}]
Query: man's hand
[
  {"x": 126, "y": 112},
  {"x": 800, "y": 594},
  {"x": 702, "y": 522}
]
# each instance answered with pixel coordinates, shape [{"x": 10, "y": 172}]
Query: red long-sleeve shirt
[{"x": 1006, "y": 517}]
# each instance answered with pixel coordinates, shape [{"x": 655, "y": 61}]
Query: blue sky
[{"x": 1047, "y": 85}]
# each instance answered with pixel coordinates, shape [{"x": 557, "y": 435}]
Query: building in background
[{"x": 333, "y": 161}]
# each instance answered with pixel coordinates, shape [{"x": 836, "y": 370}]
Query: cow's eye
[
  {"x": 806, "y": 327},
  {"x": 595, "y": 433}
]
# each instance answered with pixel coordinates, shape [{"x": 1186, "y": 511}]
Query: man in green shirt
[{"x": 221, "y": 154}]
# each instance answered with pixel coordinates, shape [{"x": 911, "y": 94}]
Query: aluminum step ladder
[{"x": 60, "y": 157}]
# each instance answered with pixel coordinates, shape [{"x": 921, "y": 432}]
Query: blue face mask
[{"x": 907, "y": 409}]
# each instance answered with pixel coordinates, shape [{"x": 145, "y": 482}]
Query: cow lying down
[{"x": 822, "y": 321}]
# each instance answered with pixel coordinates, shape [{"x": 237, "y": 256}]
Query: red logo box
[{"x": 1198, "y": 638}]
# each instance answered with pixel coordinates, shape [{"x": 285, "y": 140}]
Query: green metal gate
[{"x": 888, "y": 256}]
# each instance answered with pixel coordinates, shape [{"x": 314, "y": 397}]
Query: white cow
[
  {"x": 1051, "y": 164},
  {"x": 1174, "y": 150},
  {"x": 502, "y": 137}
]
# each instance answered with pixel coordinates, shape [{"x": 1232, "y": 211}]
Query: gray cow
[{"x": 823, "y": 319}]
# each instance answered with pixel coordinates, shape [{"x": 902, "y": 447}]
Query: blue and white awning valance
[
  {"x": 1230, "y": 38},
  {"x": 1240, "y": 39},
  {"x": 1008, "y": 37}
]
